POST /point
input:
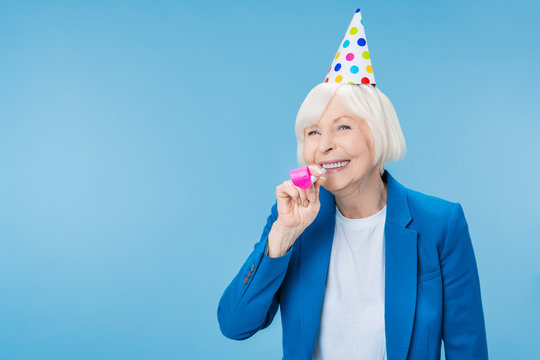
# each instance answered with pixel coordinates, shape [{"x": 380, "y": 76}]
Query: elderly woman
[{"x": 360, "y": 266}]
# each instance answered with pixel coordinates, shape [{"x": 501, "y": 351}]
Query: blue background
[{"x": 141, "y": 144}]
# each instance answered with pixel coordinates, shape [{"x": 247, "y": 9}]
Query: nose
[{"x": 326, "y": 143}]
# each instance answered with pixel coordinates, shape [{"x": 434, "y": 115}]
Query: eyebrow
[{"x": 340, "y": 117}]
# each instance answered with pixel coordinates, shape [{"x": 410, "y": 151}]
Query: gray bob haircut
[{"x": 365, "y": 101}]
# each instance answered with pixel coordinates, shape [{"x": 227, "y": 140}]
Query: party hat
[{"x": 352, "y": 63}]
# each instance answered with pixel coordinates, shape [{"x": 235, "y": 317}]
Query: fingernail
[{"x": 323, "y": 170}]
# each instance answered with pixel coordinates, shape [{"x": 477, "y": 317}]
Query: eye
[{"x": 315, "y": 131}]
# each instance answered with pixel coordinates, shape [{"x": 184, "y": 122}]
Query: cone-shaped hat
[{"x": 352, "y": 63}]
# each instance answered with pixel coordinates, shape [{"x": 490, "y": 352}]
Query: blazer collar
[
  {"x": 400, "y": 269},
  {"x": 397, "y": 206}
]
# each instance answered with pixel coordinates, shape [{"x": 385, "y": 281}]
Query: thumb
[{"x": 317, "y": 185}]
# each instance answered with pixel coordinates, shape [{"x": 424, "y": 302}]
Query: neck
[{"x": 364, "y": 199}]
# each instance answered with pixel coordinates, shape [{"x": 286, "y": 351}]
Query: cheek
[
  {"x": 369, "y": 141},
  {"x": 361, "y": 152},
  {"x": 307, "y": 152},
  {"x": 359, "y": 147},
  {"x": 309, "y": 145},
  {"x": 364, "y": 138},
  {"x": 364, "y": 146}
]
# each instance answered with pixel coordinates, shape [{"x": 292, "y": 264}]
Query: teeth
[{"x": 335, "y": 165}]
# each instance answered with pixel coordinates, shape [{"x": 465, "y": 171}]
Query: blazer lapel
[
  {"x": 315, "y": 249},
  {"x": 400, "y": 269}
]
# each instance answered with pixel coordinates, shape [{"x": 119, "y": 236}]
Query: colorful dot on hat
[
  {"x": 346, "y": 43},
  {"x": 326, "y": 80},
  {"x": 365, "y": 80},
  {"x": 337, "y": 67},
  {"x": 369, "y": 69},
  {"x": 361, "y": 42},
  {"x": 350, "y": 82},
  {"x": 337, "y": 55},
  {"x": 361, "y": 22},
  {"x": 330, "y": 68},
  {"x": 365, "y": 54},
  {"x": 353, "y": 31},
  {"x": 354, "y": 69},
  {"x": 339, "y": 78},
  {"x": 349, "y": 56},
  {"x": 357, "y": 10}
]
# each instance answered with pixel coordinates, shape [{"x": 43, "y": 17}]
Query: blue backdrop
[{"x": 141, "y": 143}]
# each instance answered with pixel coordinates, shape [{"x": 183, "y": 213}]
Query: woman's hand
[{"x": 297, "y": 208}]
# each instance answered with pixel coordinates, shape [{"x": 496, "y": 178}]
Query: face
[{"x": 340, "y": 136}]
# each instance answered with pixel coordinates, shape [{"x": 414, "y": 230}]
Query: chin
[{"x": 336, "y": 184}]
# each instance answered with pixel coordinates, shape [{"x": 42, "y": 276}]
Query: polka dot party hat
[{"x": 352, "y": 63}]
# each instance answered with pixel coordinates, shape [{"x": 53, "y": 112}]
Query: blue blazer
[{"x": 432, "y": 288}]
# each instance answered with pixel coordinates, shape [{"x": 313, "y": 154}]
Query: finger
[
  {"x": 284, "y": 191},
  {"x": 302, "y": 199},
  {"x": 322, "y": 179},
  {"x": 311, "y": 193},
  {"x": 292, "y": 191},
  {"x": 315, "y": 170},
  {"x": 303, "y": 196}
]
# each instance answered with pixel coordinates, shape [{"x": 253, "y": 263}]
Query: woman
[{"x": 360, "y": 266}]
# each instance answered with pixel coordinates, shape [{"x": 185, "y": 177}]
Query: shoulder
[
  {"x": 440, "y": 223},
  {"x": 429, "y": 209}
]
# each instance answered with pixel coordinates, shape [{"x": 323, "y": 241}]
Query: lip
[{"x": 334, "y": 170}]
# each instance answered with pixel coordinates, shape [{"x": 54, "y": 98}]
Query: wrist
[{"x": 280, "y": 240}]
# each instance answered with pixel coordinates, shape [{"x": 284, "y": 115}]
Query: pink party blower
[{"x": 302, "y": 177}]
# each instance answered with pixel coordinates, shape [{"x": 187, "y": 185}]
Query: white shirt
[{"x": 352, "y": 316}]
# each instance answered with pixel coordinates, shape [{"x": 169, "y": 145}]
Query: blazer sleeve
[
  {"x": 463, "y": 328},
  {"x": 251, "y": 300}
]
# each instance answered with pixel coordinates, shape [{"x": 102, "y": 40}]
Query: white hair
[{"x": 365, "y": 101}]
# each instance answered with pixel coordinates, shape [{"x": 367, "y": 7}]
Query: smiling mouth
[{"x": 336, "y": 169}]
